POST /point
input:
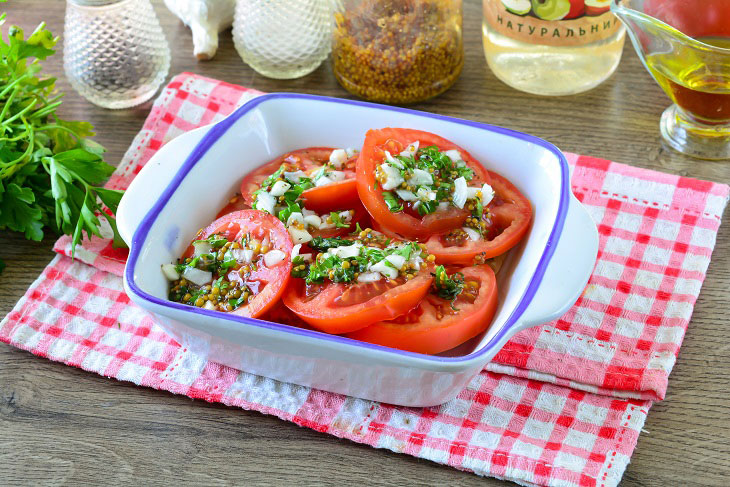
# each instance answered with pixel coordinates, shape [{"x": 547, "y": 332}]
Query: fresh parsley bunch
[{"x": 50, "y": 173}]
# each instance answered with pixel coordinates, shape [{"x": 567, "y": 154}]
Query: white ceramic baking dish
[{"x": 189, "y": 179}]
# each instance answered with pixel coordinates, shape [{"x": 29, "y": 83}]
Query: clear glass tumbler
[
  {"x": 115, "y": 53},
  {"x": 283, "y": 39}
]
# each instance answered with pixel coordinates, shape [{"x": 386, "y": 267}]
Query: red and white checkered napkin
[{"x": 562, "y": 404}]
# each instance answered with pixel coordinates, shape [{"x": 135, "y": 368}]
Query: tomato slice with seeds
[
  {"x": 266, "y": 283},
  {"x": 342, "y": 194},
  {"x": 434, "y": 326},
  {"x": 408, "y": 223},
  {"x": 510, "y": 216},
  {"x": 360, "y": 217},
  {"x": 342, "y": 308}
]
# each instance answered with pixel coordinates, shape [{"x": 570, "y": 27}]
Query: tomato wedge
[
  {"x": 342, "y": 308},
  {"x": 511, "y": 214},
  {"x": 433, "y": 326},
  {"x": 338, "y": 195},
  {"x": 395, "y": 140},
  {"x": 266, "y": 283}
]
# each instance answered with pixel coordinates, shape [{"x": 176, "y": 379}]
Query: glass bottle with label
[{"x": 552, "y": 47}]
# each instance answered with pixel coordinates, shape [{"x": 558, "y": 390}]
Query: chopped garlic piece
[
  {"x": 170, "y": 272},
  {"x": 473, "y": 234},
  {"x": 265, "y": 202},
  {"x": 459, "y": 197},
  {"x": 279, "y": 188},
  {"x": 338, "y": 157},
  {"x": 410, "y": 151},
  {"x": 393, "y": 178},
  {"x": 454, "y": 155},
  {"x": 420, "y": 177},
  {"x": 397, "y": 260},
  {"x": 406, "y": 195},
  {"x": 273, "y": 257},
  {"x": 197, "y": 276},
  {"x": 487, "y": 194},
  {"x": 299, "y": 235}
]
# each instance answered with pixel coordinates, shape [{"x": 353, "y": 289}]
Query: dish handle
[
  {"x": 152, "y": 180},
  {"x": 568, "y": 271}
]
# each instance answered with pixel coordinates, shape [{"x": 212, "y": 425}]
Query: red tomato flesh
[
  {"x": 407, "y": 223},
  {"x": 433, "y": 326},
  {"x": 342, "y": 308},
  {"x": 267, "y": 283},
  {"x": 339, "y": 195},
  {"x": 511, "y": 214}
]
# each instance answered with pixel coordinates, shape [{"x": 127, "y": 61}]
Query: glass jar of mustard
[{"x": 397, "y": 51}]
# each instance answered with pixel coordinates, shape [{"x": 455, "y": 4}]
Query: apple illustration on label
[
  {"x": 551, "y": 9},
  {"x": 597, "y": 7},
  {"x": 577, "y": 8},
  {"x": 519, "y": 7}
]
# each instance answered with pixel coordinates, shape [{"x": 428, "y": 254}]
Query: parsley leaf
[
  {"x": 392, "y": 202},
  {"x": 297, "y": 262},
  {"x": 50, "y": 173},
  {"x": 447, "y": 287},
  {"x": 321, "y": 244},
  {"x": 337, "y": 220}
]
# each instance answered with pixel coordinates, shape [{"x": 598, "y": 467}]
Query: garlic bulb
[{"x": 206, "y": 18}]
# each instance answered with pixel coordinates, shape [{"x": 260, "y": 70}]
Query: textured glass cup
[
  {"x": 283, "y": 39},
  {"x": 115, "y": 53},
  {"x": 685, "y": 45}
]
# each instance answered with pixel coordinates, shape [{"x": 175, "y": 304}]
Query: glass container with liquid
[
  {"x": 397, "y": 51},
  {"x": 685, "y": 45},
  {"x": 551, "y": 47}
]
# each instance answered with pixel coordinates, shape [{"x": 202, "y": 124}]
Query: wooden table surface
[{"x": 62, "y": 425}]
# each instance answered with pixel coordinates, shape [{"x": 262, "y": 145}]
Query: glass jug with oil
[{"x": 685, "y": 45}]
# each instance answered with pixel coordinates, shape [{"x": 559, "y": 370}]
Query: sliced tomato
[
  {"x": 279, "y": 313},
  {"x": 360, "y": 217},
  {"x": 339, "y": 195},
  {"x": 342, "y": 308},
  {"x": 510, "y": 214},
  {"x": 409, "y": 225},
  {"x": 234, "y": 204},
  {"x": 267, "y": 283},
  {"x": 434, "y": 326}
]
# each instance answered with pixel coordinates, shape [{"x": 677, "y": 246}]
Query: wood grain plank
[{"x": 61, "y": 425}]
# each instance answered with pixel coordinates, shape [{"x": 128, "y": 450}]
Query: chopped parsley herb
[
  {"x": 290, "y": 208},
  {"x": 269, "y": 182},
  {"x": 330, "y": 266},
  {"x": 291, "y": 196},
  {"x": 427, "y": 207},
  {"x": 440, "y": 169},
  {"x": 299, "y": 267},
  {"x": 337, "y": 220},
  {"x": 446, "y": 287},
  {"x": 321, "y": 244},
  {"x": 357, "y": 230},
  {"x": 392, "y": 202},
  {"x": 214, "y": 240}
]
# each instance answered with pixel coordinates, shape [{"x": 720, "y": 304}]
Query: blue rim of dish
[{"x": 219, "y": 129}]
